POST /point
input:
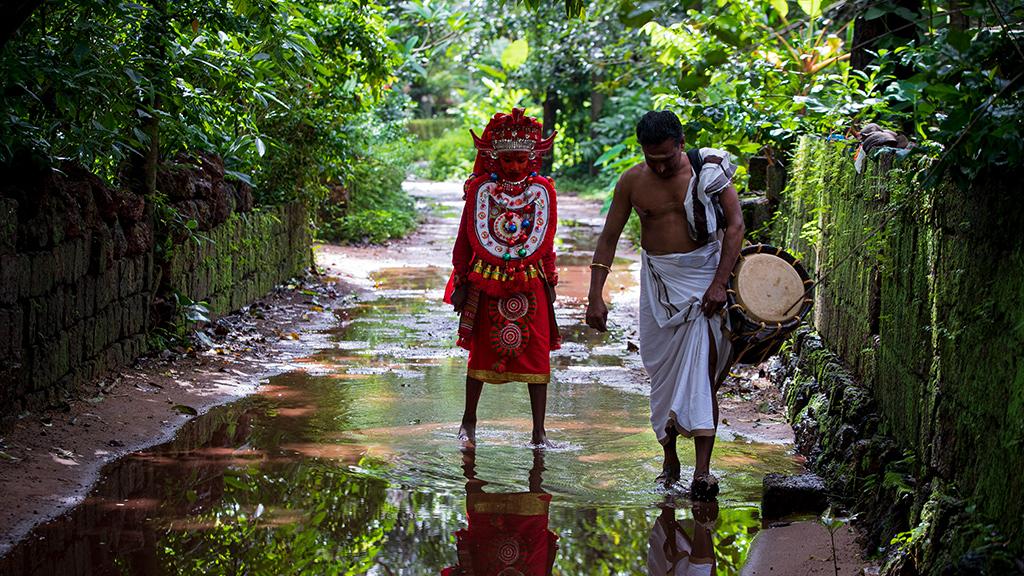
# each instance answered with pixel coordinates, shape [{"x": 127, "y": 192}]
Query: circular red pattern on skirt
[
  {"x": 514, "y": 307},
  {"x": 510, "y": 337},
  {"x": 508, "y": 552}
]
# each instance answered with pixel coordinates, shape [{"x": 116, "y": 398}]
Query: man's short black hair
[{"x": 657, "y": 126}]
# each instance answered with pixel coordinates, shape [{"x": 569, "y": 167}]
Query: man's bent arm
[{"x": 734, "y": 230}]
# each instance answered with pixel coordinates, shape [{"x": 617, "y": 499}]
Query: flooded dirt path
[{"x": 349, "y": 464}]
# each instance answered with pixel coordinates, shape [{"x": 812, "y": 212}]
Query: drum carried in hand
[{"x": 768, "y": 296}]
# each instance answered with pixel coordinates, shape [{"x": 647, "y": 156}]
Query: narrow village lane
[{"x": 349, "y": 463}]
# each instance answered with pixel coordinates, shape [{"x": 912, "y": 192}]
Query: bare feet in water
[
  {"x": 670, "y": 473},
  {"x": 467, "y": 435},
  {"x": 540, "y": 440}
]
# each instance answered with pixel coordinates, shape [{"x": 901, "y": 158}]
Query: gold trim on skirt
[
  {"x": 492, "y": 377},
  {"x": 519, "y": 503}
]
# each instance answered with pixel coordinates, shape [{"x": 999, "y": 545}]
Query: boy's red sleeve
[
  {"x": 462, "y": 252},
  {"x": 547, "y": 263}
]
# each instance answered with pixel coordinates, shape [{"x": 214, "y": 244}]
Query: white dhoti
[{"x": 676, "y": 340}]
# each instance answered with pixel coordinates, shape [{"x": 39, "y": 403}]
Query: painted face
[
  {"x": 514, "y": 165},
  {"x": 665, "y": 159}
]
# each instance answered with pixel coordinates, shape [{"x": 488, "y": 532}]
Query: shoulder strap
[{"x": 697, "y": 162}]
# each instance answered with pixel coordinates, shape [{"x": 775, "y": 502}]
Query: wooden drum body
[{"x": 769, "y": 295}]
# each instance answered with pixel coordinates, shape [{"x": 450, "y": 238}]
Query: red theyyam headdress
[
  {"x": 510, "y": 133},
  {"x": 515, "y": 132}
]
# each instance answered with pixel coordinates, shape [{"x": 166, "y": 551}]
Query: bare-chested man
[{"x": 689, "y": 250}]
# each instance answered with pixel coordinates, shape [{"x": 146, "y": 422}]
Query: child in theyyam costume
[{"x": 504, "y": 267}]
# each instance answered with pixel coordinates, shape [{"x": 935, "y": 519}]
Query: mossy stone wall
[
  {"x": 76, "y": 288},
  {"x": 76, "y": 282},
  {"x": 241, "y": 259},
  {"x": 922, "y": 297}
]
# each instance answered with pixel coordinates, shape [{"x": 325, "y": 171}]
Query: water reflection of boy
[
  {"x": 508, "y": 533},
  {"x": 673, "y": 552}
]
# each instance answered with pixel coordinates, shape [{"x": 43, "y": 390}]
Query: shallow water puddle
[{"x": 350, "y": 466}]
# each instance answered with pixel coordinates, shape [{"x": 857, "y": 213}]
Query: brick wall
[
  {"x": 79, "y": 276},
  {"x": 922, "y": 299}
]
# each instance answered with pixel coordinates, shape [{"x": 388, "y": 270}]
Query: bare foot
[
  {"x": 670, "y": 473},
  {"x": 467, "y": 435},
  {"x": 540, "y": 440}
]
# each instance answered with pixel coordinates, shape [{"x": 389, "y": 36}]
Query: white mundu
[{"x": 676, "y": 337}]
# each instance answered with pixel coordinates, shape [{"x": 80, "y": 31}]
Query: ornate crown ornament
[{"x": 515, "y": 132}]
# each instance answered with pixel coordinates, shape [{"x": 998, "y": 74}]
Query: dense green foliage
[
  {"x": 449, "y": 156},
  {"x": 295, "y": 96},
  {"x": 749, "y": 77},
  {"x": 372, "y": 207}
]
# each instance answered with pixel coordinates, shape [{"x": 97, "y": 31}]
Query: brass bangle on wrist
[{"x": 599, "y": 265}]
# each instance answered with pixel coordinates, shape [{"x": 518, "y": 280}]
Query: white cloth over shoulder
[
  {"x": 675, "y": 339},
  {"x": 666, "y": 559},
  {"x": 716, "y": 174}
]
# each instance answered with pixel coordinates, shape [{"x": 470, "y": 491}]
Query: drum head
[{"x": 768, "y": 288}]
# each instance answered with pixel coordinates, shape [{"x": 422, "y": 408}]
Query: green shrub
[
  {"x": 373, "y": 226},
  {"x": 451, "y": 156},
  {"x": 372, "y": 206},
  {"x": 425, "y": 129},
  {"x": 588, "y": 187}
]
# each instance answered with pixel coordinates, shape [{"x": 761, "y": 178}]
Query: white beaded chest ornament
[{"x": 511, "y": 227}]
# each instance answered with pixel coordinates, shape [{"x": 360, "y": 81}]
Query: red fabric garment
[
  {"x": 531, "y": 362},
  {"x": 504, "y": 254},
  {"x": 462, "y": 255},
  {"x": 506, "y": 531},
  {"x": 500, "y": 352}
]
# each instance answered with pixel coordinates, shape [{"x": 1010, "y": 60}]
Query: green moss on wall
[
  {"x": 243, "y": 258},
  {"x": 922, "y": 299}
]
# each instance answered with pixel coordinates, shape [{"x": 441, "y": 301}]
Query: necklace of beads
[{"x": 511, "y": 227}]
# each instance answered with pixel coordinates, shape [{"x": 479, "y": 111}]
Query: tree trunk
[
  {"x": 957, "y": 19},
  {"x": 154, "y": 36},
  {"x": 596, "y": 107},
  {"x": 548, "y": 125},
  {"x": 15, "y": 14},
  {"x": 881, "y": 32}
]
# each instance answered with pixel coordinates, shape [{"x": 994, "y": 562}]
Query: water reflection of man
[
  {"x": 673, "y": 552},
  {"x": 508, "y": 533}
]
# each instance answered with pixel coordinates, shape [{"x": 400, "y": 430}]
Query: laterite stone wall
[
  {"x": 922, "y": 299},
  {"x": 241, "y": 259},
  {"x": 76, "y": 281},
  {"x": 79, "y": 275}
]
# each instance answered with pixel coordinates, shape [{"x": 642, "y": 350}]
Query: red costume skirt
[{"x": 512, "y": 338}]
